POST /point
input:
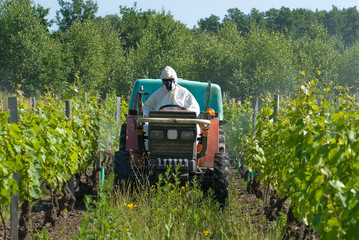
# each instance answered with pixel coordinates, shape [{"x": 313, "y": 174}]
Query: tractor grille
[
  {"x": 171, "y": 148},
  {"x": 163, "y": 146}
]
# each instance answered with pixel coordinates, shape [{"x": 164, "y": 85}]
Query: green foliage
[
  {"x": 74, "y": 12},
  {"x": 27, "y": 53},
  {"x": 209, "y": 24},
  {"x": 246, "y": 54},
  {"x": 348, "y": 73},
  {"x": 266, "y": 56},
  {"x": 47, "y": 146},
  {"x": 317, "y": 55},
  {"x": 131, "y": 24},
  {"x": 94, "y": 55},
  {"x": 343, "y": 23},
  {"x": 218, "y": 58},
  {"x": 239, "y": 125},
  {"x": 163, "y": 43},
  {"x": 310, "y": 156}
]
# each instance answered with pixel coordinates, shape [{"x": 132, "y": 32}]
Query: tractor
[{"x": 170, "y": 138}]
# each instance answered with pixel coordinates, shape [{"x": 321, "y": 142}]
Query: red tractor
[{"x": 142, "y": 155}]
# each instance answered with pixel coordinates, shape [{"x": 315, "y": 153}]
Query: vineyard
[
  {"x": 294, "y": 172},
  {"x": 47, "y": 147},
  {"x": 305, "y": 148},
  {"x": 294, "y": 152}
]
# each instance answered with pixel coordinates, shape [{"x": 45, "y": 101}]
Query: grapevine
[
  {"x": 310, "y": 156},
  {"x": 46, "y": 147}
]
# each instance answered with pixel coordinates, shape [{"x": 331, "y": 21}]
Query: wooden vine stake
[
  {"x": 118, "y": 111},
  {"x": 255, "y": 105},
  {"x": 14, "y": 206},
  {"x": 68, "y": 105},
  {"x": 276, "y": 107}
]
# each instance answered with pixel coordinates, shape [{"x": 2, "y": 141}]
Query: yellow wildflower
[
  {"x": 127, "y": 229},
  {"x": 131, "y": 206},
  {"x": 206, "y": 233}
]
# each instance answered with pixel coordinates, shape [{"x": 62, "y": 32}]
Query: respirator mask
[{"x": 169, "y": 84}]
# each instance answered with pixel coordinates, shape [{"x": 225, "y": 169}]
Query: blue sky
[{"x": 191, "y": 11}]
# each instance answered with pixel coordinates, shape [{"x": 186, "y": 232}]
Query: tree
[
  {"x": 267, "y": 64},
  {"x": 343, "y": 23},
  {"x": 210, "y": 24},
  {"x": 281, "y": 20},
  {"x": 42, "y": 13},
  {"x": 334, "y": 21},
  {"x": 28, "y": 55},
  {"x": 131, "y": 24},
  {"x": 257, "y": 17},
  {"x": 241, "y": 19},
  {"x": 301, "y": 20},
  {"x": 77, "y": 11},
  {"x": 164, "y": 42},
  {"x": 218, "y": 57},
  {"x": 347, "y": 68},
  {"x": 94, "y": 55},
  {"x": 317, "y": 52}
]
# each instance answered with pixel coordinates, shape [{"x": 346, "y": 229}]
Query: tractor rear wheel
[{"x": 221, "y": 177}]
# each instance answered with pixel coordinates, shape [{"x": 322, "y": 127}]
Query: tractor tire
[
  {"x": 123, "y": 137},
  {"x": 221, "y": 177},
  {"x": 122, "y": 166},
  {"x": 122, "y": 159}
]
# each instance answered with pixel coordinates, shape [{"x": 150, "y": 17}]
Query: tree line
[
  {"x": 343, "y": 24},
  {"x": 245, "y": 54}
]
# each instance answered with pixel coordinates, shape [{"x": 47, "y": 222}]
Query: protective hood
[{"x": 169, "y": 73}]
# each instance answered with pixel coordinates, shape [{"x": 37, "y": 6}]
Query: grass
[{"x": 167, "y": 211}]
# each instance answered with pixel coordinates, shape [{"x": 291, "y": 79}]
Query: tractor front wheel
[
  {"x": 122, "y": 166},
  {"x": 221, "y": 177}
]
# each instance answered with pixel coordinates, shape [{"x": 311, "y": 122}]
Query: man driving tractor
[{"x": 171, "y": 94}]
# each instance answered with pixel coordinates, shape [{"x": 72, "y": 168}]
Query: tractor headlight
[
  {"x": 187, "y": 135},
  {"x": 157, "y": 134},
  {"x": 172, "y": 134}
]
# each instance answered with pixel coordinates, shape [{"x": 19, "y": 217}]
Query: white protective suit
[{"x": 178, "y": 96}]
